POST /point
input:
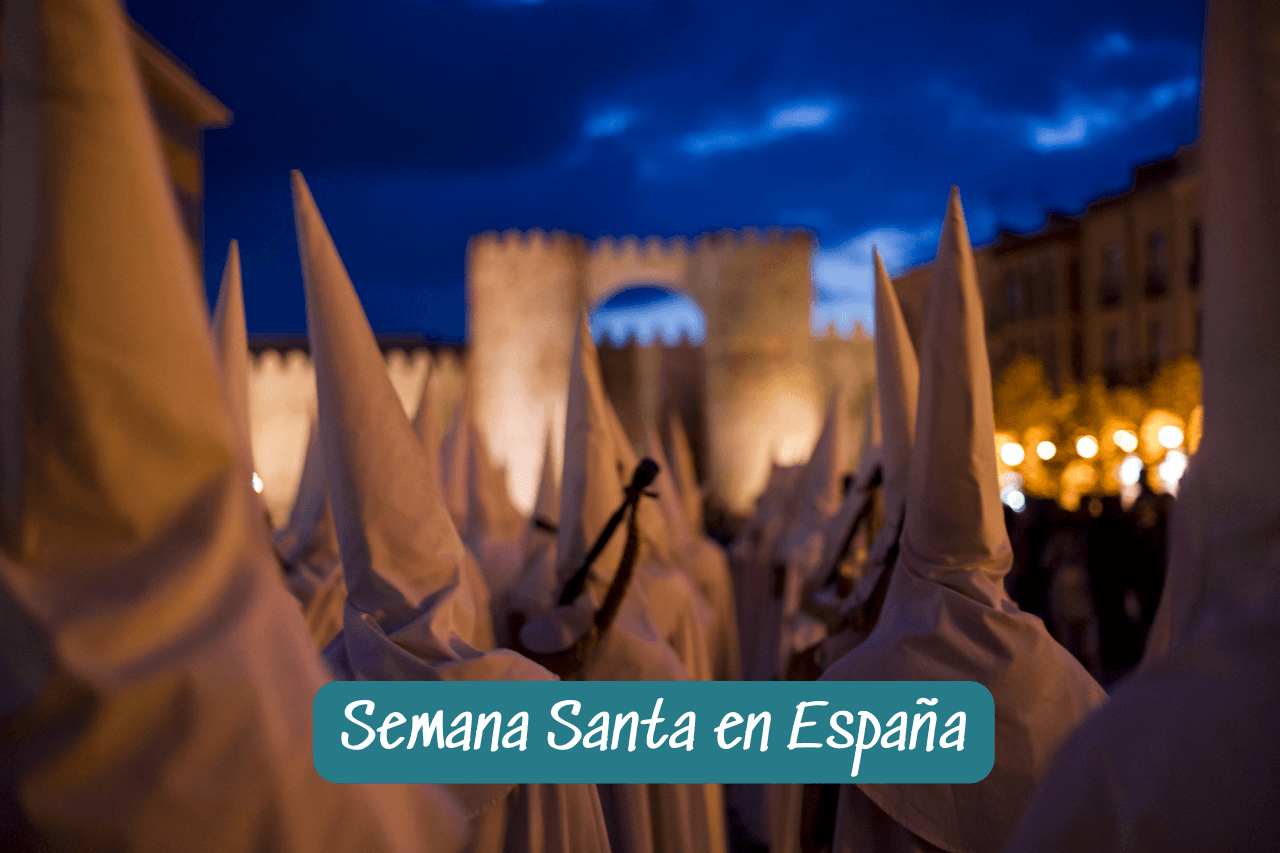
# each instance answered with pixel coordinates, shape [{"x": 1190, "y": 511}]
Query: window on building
[
  {"x": 1111, "y": 354},
  {"x": 1049, "y": 350},
  {"x": 1073, "y": 287},
  {"x": 1199, "y": 330},
  {"x": 1193, "y": 265},
  {"x": 1013, "y": 295},
  {"x": 1156, "y": 343},
  {"x": 1157, "y": 264},
  {"x": 1077, "y": 356},
  {"x": 1112, "y": 275},
  {"x": 1048, "y": 286}
]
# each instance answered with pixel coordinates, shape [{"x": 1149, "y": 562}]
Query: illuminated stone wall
[
  {"x": 282, "y": 405},
  {"x": 763, "y": 399}
]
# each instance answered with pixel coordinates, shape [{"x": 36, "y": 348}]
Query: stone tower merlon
[
  {"x": 524, "y": 291},
  {"x": 763, "y": 398}
]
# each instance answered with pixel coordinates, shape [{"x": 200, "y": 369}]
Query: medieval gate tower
[{"x": 524, "y": 295}]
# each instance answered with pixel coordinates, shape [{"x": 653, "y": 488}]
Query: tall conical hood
[
  {"x": 309, "y": 535},
  {"x": 894, "y": 410},
  {"x": 546, "y": 506},
  {"x": 455, "y": 463},
  {"x": 126, "y": 524},
  {"x": 685, "y": 473},
  {"x": 954, "y": 526},
  {"x": 1226, "y": 549},
  {"x": 945, "y": 614},
  {"x": 591, "y": 486},
  {"x": 824, "y": 470},
  {"x": 872, "y": 438},
  {"x": 673, "y": 510},
  {"x": 426, "y": 426},
  {"x": 232, "y": 339},
  {"x": 398, "y": 543},
  {"x": 835, "y": 538},
  {"x": 897, "y": 384},
  {"x": 490, "y": 512},
  {"x": 112, "y": 305}
]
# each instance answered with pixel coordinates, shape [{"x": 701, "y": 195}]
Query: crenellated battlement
[
  {"x": 747, "y": 238},
  {"x": 632, "y": 246},
  {"x": 533, "y": 241}
]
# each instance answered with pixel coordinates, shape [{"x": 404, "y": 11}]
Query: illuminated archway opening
[{"x": 650, "y": 314}]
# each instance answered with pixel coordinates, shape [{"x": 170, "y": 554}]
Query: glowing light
[
  {"x": 1012, "y": 454},
  {"x": 1169, "y": 436},
  {"x": 1172, "y": 469},
  {"x": 257, "y": 483},
  {"x": 1087, "y": 446},
  {"x": 1014, "y": 499},
  {"x": 1130, "y": 470},
  {"x": 1046, "y": 450},
  {"x": 1126, "y": 440}
]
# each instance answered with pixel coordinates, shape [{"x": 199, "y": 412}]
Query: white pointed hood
[
  {"x": 126, "y": 529},
  {"x": 490, "y": 512},
  {"x": 546, "y": 505},
  {"x": 455, "y": 463},
  {"x": 854, "y": 505},
  {"x": 1141, "y": 773},
  {"x": 896, "y": 402},
  {"x": 946, "y": 615},
  {"x": 685, "y": 474},
  {"x": 591, "y": 486},
  {"x": 232, "y": 339},
  {"x": 426, "y": 426},
  {"x": 822, "y": 481},
  {"x": 1225, "y": 560},
  {"x": 309, "y": 537},
  {"x": 399, "y": 547}
]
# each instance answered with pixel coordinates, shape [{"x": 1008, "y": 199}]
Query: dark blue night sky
[{"x": 420, "y": 122}]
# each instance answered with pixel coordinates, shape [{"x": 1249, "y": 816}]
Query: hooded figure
[
  {"x": 708, "y": 568},
  {"x": 495, "y": 528},
  {"x": 494, "y": 524},
  {"x": 1184, "y": 755},
  {"x": 308, "y": 547},
  {"x": 946, "y": 615},
  {"x": 156, "y": 679},
  {"x": 897, "y": 393},
  {"x": 409, "y": 612},
  {"x": 847, "y": 537},
  {"x": 797, "y": 552},
  {"x": 685, "y": 475},
  {"x": 641, "y": 818},
  {"x": 897, "y": 378},
  {"x": 536, "y": 589}
]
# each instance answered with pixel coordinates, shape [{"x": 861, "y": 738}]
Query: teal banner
[{"x": 654, "y": 731}]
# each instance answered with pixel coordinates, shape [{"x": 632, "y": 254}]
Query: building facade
[
  {"x": 183, "y": 110},
  {"x": 1113, "y": 292}
]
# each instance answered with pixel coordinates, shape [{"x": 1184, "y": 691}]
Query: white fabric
[
  {"x": 1184, "y": 755},
  {"x": 946, "y": 615},
  {"x": 172, "y": 701},
  {"x": 783, "y": 629},
  {"x": 897, "y": 397},
  {"x": 646, "y": 640},
  {"x": 412, "y": 612},
  {"x": 685, "y": 474},
  {"x": 378, "y": 474},
  {"x": 707, "y": 565}
]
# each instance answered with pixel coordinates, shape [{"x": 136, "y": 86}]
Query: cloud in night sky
[{"x": 421, "y": 122}]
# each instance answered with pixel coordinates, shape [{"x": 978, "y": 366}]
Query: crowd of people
[{"x": 160, "y": 644}]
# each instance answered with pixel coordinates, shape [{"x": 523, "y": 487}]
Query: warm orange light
[{"x": 1087, "y": 446}]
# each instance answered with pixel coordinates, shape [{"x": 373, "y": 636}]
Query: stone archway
[{"x": 524, "y": 293}]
